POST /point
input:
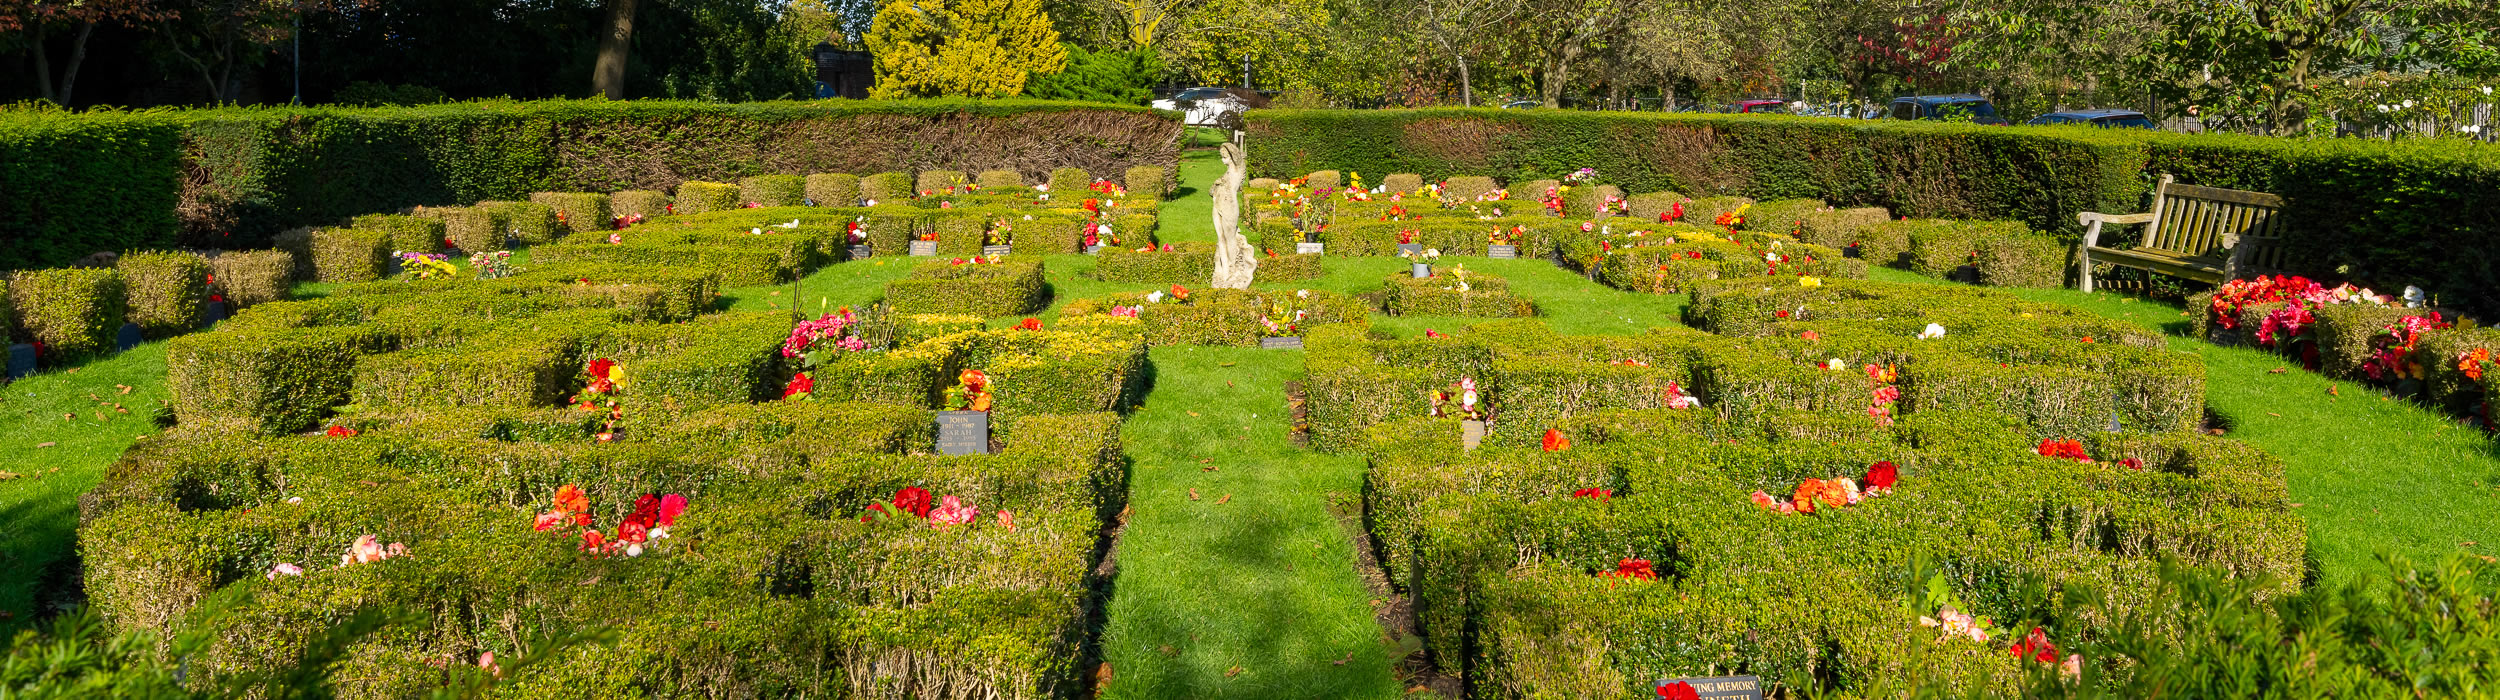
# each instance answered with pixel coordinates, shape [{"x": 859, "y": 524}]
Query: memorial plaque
[
  {"x": 1716, "y": 688},
  {"x": 963, "y": 432},
  {"x": 1285, "y": 343},
  {"x": 1471, "y": 432},
  {"x": 1411, "y": 248},
  {"x": 995, "y": 249},
  {"x": 861, "y": 252},
  {"x": 128, "y": 338},
  {"x": 216, "y": 312},
  {"x": 1093, "y": 250},
  {"x": 923, "y": 248},
  {"x": 1310, "y": 247},
  {"x": 21, "y": 360},
  {"x": 1505, "y": 252}
]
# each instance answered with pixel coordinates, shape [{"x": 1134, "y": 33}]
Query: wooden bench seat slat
[{"x": 2202, "y": 233}]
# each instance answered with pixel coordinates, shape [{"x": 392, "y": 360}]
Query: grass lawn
[
  {"x": 52, "y": 459},
  {"x": 2370, "y": 474}
]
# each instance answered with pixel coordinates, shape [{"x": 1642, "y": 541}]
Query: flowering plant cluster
[
  {"x": 1555, "y": 442},
  {"x": 971, "y": 392},
  {"x": 1831, "y": 494},
  {"x": 1459, "y": 399},
  {"x": 2391, "y": 355},
  {"x": 1426, "y": 255},
  {"x": 915, "y": 503},
  {"x": 1634, "y": 569},
  {"x": 1677, "y": 399},
  {"x": 607, "y": 378},
  {"x": 834, "y": 331},
  {"x": 493, "y": 265},
  {"x": 2069, "y": 448},
  {"x": 621, "y": 222},
  {"x": 2234, "y": 295},
  {"x": 1284, "y": 316},
  {"x": 853, "y": 231},
  {"x": 653, "y": 515},
  {"x": 1505, "y": 236},
  {"x": 426, "y": 266},
  {"x": 1879, "y": 404},
  {"x": 1000, "y": 233},
  {"x": 1581, "y": 175}
]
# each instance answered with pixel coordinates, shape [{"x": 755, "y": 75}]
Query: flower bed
[
  {"x": 581, "y": 454},
  {"x": 1811, "y": 443},
  {"x": 1453, "y": 291}
]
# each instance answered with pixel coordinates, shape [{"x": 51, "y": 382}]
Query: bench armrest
[{"x": 2090, "y": 216}]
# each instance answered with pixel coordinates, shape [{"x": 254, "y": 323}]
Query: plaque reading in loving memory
[
  {"x": 1293, "y": 342},
  {"x": 1715, "y": 688},
  {"x": 923, "y": 248}
]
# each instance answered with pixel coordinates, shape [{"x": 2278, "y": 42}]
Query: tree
[
  {"x": 1561, "y": 32},
  {"x": 1144, "y": 24},
  {"x": 607, "y": 76},
  {"x": 963, "y": 48},
  {"x": 2254, "y": 63},
  {"x": 40, "y": 18},
  {"x": 1121, "y": 77},
  {"x": 1453, "y": 25},
  {"x": 215, "y": 38}
]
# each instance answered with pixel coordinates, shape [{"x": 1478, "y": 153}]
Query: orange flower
[
  {"x": 569, "y": 499},
  {"x": 1806, "y": 492},
  {"x": 1180, "y": 292},
  {"x": 2472, "y": 363},
  {"x": 1555, "y": 441}
]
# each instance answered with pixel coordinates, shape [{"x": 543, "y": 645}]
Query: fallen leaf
[
  {"x": 6, "y": 475},
  {"x": 2330, "y": 391},
  {"x": 1102, "y": 677},
  {"x": 1124, "y": 513},
  {"x": 72, "y": 370},
  {"x": 2468, "y": 543},
  {"x": 1205, "y": 461},
  {"x": 1227, "y": 364},
  {"x": 1349, "y": 656},
  {"x": 2216, "y": 431},
  {"x": 2271, "y": 413},
  {"x": 1193, "y": 414},
  {"x": 1207, "y": 468},
  {"x": 2296, "y": 505},
  {"x": 1231, "y": 672},
  {"x": 46, "y": 444},
  {"x": 124, "y": 387},
  {"x": 1193, "y": 494},
  {"x": 1168, "y": 650},
  {"x": 1221, "y": 501},
  {"x": 594, "y": 579},
  {"x": 2277, "y": 370},
  {"x": 69, "y": 416}
]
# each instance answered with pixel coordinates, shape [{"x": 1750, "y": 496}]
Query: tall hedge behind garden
[
  {"x": 71, "y": 185},
  {"x": 2388, "y": 213}
]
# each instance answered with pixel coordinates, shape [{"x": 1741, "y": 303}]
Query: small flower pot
[
  {"x": 1422, "y": 270},
  {"x": 1471, "y": 432},
  {"x": 996, "y": 249},
  {"x": 963, "y": 432},
  {"x": 923, "y": 248},
  {"x": 1411, "y": 248}
]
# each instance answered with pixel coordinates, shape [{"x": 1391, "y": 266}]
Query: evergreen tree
[{"x": 962, "y": 48}]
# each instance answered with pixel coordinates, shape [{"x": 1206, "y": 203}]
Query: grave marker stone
[
  {"x": 1310, "y": 247},
  {"x": 1411, "y": 248},
  {"x": 861, "y": 252},
  {"x": 21, "y": 360},
  {"x": 1713, "y": 688},
  {"x": 995, "y": 249},
  {"x": 1504, "y": 252},
  {"x": 1284, "y": 343},
  {"x": 128, "y": 338},
  {"x": 963, "y": 432},
  {"x": 1471, "y": 432},
  {"x": 923, "y": 248}
]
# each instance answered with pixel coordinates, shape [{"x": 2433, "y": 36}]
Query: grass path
[
  {"x": 50, "y": 460},
  {"x": 2372, "y": 474}
]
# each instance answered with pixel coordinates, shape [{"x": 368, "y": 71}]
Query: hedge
[
  {"x": 998, "y": 179},
  {"x": 1439, "y": 295},
  {"x": 247, "y": 277},
  {"x": 886, "y": 188},
  {"x": 833, "y": 189},
  {"x": 168, "y": 291},
  {"x": 73, "y": 184},
  {"x": 986, "y": 289},
  {"x": 648, "y": 204},
  {"x": 696, "y": 197},
  {"x": 773, "y": 190},
  {"x": 1190, "y": 263},
  {"x": 415, "y": 234},
  {"x": 472, "y": 229},
  {"x": 73, "y": 312},
  {"x": 578, "y": 212},
  {"x": 350, "y": 255},
  {"x": 1232, "y": 317},
  {"x": 527, "y": 223},
  {"x": 2385, "y": 213}
]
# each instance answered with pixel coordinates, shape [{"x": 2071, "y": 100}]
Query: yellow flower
[{"x": 1809, "y": 281}]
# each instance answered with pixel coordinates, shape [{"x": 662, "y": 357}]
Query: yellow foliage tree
[{"x": 962, "y": 48}]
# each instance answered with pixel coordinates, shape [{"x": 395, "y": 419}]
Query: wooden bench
[{"x": 2207, "y": 234}]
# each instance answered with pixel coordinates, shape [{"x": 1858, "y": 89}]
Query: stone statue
[{"x": 1235, "y": 264}]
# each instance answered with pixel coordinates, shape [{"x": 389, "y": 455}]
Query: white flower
[
  {"x": 2486, "y": 89},
  {"x": 2382, "y": 109},
  {"x": 794, "y": 223},
  {"x": 295, "y": 499},
  {"x": 1302, "y": 293},
  {"x": 1835, "y": 365},
  {"x": 1028, "y": 217},
  {"x": 1044, "y": 187},
  {"x": 871, "y": 203},
  {"x": 755, "y": 232},
  {"x": 1771, "y": 257},
  {"x": 1933, "y": 331},
  {"x": 2408, "y": 104},
  {"x": 1154, "y": 297},
  {"x": 633, "y": 550}
]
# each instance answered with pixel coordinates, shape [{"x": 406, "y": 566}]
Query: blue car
[
  {"x": 2113, "y": 118},
  {"x": 1944, "y": 107}
]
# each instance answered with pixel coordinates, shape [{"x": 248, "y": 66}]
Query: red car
[{"x": 1759, "y": 106}]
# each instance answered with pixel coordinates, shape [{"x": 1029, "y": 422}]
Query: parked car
[
  {"x": 1521, "y": 104},
  {"x": 1940, "y": 107},
  {"x": 1208, "y": 106},
  {"x": 2114, "y": 118},
  {"x": 1759, "y": 107}
]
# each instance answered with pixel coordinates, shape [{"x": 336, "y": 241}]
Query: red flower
[
  {"x": 1634, "y": 569},
  {"x": 633, "y": 532},
  {"x": 1678, "y": 690},
  {"x": 1882, "y": 475},
  {"x": 1555, "y": 442},
  {"x": 1599, "y": 494},
  {"x": 1030, "y": 324},
  {"x": 340, "y": 431},
  {"x": 913, "y": 500},
  {"x": 2036, "y": 647},
  {"x": 1782, "y": 313},
  {"x": 1674, "y": 213},
  {"x": 592, "y": 541},
  {"x": 599, "y": 368},
  {"x": 2132, "y": 463},
  {"x": 801, "y": 384},
  {"x": 1180, "y": 292},
  {"x": 569, "y": 499},
  {"x": 2064, "y": 449},
  {"x": 671, "y": 506},
  {"x": 646, "y": 512}
]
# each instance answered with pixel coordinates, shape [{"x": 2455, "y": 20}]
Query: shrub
[
  {"x": 2344, "y": 333},
  {"x": 247, "y": 277},
  {"x": 1288, "y": 268},
  {"x": 1466, "y": 188},
  {"x": 648, "y": 204},
  {"x": 2022, "y": 259},
  {"x": 578, "y": 212},
  {"x": 298, "y": 243},
  {"x": 168, "y": 291},
  {"x": 77, "y": 183},
  {"x": 1439, "y": 295},
  {"x": 469, "y": 229},
  {"x": 1014, "y": 286},
  {"x": 737, "y": 267},
  {"x": 1402, "y": 182},
  {"x": 350, "y": 255},
  {"x": 1646, "y": 208},
  {"x": 1150, "y": 183},
  {"x": 274, "y": 381},
  {"x": 1233, "y": 317},
  {"x": 529, "y": 223},
  {"x": 833, "y": 189},
  {"x": 1190, "y": 263},
  {"x": 1839, "y": 228},
  {"x": 1066, "y": 182},
  {"x": 935, "y": 181},
  {"x": 772, "y": 190},
  {"x": 697, "y": 196},
  {"x": 74, "y": 312},
  {"x": 1785, "y": 216},
  {"x": 999, "y": 179},
  {"x": 415, "y": 234},
  {"x": 886, "y": 188}
]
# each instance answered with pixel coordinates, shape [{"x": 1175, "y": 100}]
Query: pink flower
[
  {"x": 1007, "y": 519},
  {"x": 284, "y": 569},
  {"x": 368, "y": 550},
  {"x": 952, "y": 511},
  {"x": 671, "y": 506}
]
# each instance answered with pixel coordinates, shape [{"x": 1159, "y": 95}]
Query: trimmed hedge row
[
  {"x": 1231, "y": 317},
  {"x": 73, "y": 312},
  {"x": 1008, "y": 287},
  {"x": 2387, "y": 213},
  {"x": 1442, "y": 295}
]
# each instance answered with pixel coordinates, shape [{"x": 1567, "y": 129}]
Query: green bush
[
  {"x": 247, "y": 277},
  {"x": 940, "y": 181},
  {"x": 1647, "y": 208},
  {"x": 1190, "y": 263},
  {"x": 1439, "y": 295},
  {"x": 578, "y": 212},
  {"x": 299, "y": 243},
  {"x": 999, "y": 179},
  {"x": 470, "y": 229},
  {"x": 529, "y": 223},
  {"x": 1289, "y": 267},
  {"x": 737, "y": 267},
  {"x": 74, "y": 312},
  {"x": 2023, "y": 259},
  {"x": 1232, "y": 317},
  {"x": 1068, "y": 182},
  {"x": 1466, "y": 188},
  {"x": 415, "y": 234},
  {"x": 1401, "y": 182},
  {"x": 697, "y": 196},
  {"x": 1148, "y": 183},
  {"x": 648, "y": 204},
  {"x": 1785, "y": 216},
  {"x": 886, "y": 188},
  {"x": 1839, "y": 228},
  {"x": 1014, "y": 286},
  {"x": 773, "y": 190},
  {"x": 833, "y": 189},
  {"x": 168, "y": 291},
  {"x": 350, "y": 255},
  {"x": 271, "y": 381},
  {"x": 73, "y": 184}
]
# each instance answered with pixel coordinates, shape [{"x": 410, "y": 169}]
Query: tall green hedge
[
  {"x": 75, "y": 184},
  {"x": 2390, "y": 214}
]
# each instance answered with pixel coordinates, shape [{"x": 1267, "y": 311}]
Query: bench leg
[{"x": 2083, "y": 256}]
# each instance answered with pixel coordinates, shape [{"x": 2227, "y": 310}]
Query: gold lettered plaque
[{"x": 1717, "y": 688}]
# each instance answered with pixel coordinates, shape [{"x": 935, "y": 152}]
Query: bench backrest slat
[{"x": 2201, "y": 221}]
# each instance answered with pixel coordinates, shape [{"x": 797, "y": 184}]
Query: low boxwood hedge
[
  {"x": 1442, "y": 295},
  {"x": 578, "y": 212},
  {"x": 247, "y": 277},
  {"x": 774, "y": 190},
  {"x": 73, "y": 312},
  {"x": 527, "y": 223},
  {"x": 350, "y": 255},
  {"x": 168, "y": 291},
  {"x": 833, "y": 189},
  {"x": 415, "y": 234},
  {"x": 1007, "y": 287},
  {"x": 697, "y": 196}
]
